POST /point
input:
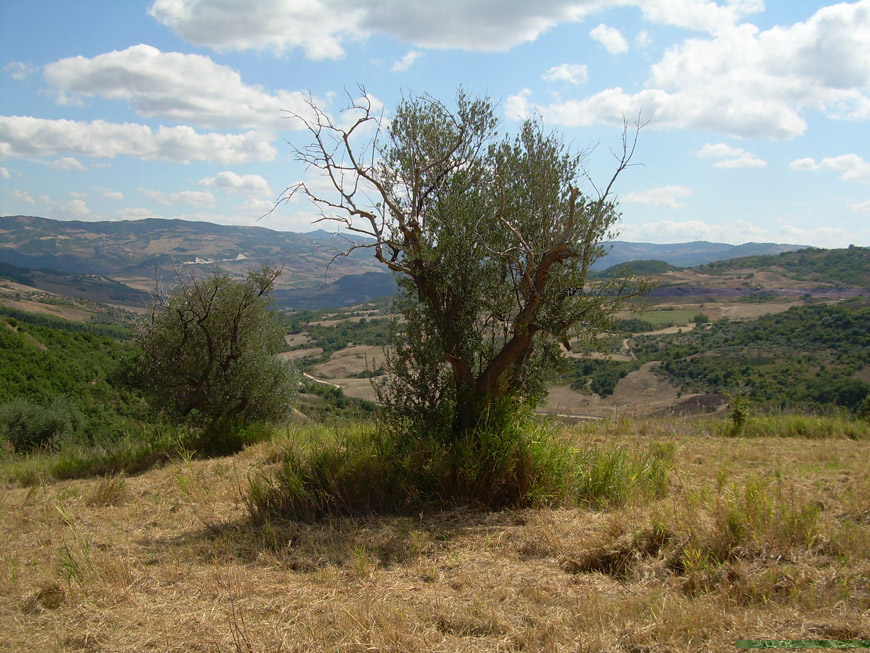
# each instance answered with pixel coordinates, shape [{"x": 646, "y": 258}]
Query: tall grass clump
[
  {"x": 796, "y": 425},
  {"x": 613, "y": 476},
  {"x": 362, "y": 469},
  {"x": 128, "y": 449}
]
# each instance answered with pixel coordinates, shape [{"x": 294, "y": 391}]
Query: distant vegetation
[
  {"x": 57, "y": 381},
  {"x": 334, "y": 337},
  {"x": 849, "y": 267},
  {"x": 806, "y": 358},
  {"x": 638, "y": 268}
]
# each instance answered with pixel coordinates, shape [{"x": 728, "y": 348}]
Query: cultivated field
[{"x": 756, "y": 538}]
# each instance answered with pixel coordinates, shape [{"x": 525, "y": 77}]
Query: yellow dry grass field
[
  {"x": 296, "y": 354},
  {"x": 57, "y": 310},
  {"x": 351, "y": 360},
  {"x": 640, "y": 393},
  {"x": 169, "y": 561}
]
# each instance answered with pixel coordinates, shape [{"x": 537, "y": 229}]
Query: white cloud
[
  {"x": 18, "y": 70},
  {"x": 191, "y": 197},
  {"x": 611, "y": 38},
  {"x": 567, "y": 72},
  {"x": 24, "y": 136},
  {"x": 260, "y": 207},
  {"x": 129, "y": 213},
  {"x": 667, "y": 196},
  {"x": 860, "y": 207},
  {"x": 321, "y": 27},
  {"x": 316, "y": 26},
  {"x": 821, "y": 237},
  {"x": 113, "y": 195},
  {"x": 407, "y": 61},
  {"x": 670, "y": 231},
  {"x": 853, "y": 167},
  {"x": 79, "y": 195},
  {"x": 730, "y": 157},
  {"x": 67, "y": 163},
  {"x": 75, "y": 209},
  {"x": 4, "y": 173},
  {"x": 21, "y": 196},
  {"x": 186, "y": 88},
  {"x": 803, "y": 164},
  {"x": 642, "y": 40},
  {"x": 233, "y": 183},
  {"x": 699, "y": 15},
  {"x": 737, "y": 232},
  {"x": 740, "y": 80},
  {"x": 518, "y": 107}
]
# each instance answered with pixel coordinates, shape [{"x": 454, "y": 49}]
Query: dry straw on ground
[{"x": 169, "y": 561}]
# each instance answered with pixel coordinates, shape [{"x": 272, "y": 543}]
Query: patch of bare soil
[
  {"x": 296, "y": 354},
  {"x": 751, "y": 311},
  {"x": 351, "y": 360},
  {"x": 294, "y": 339},
  {"x": 33, "y": 306},
  {"x": 359, "y": 388},
  {"x": 641, "y": 392}
]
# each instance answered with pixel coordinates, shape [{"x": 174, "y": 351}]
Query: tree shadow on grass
[{"x": 377, "y": 541}]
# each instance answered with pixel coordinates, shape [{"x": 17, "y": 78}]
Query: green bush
[
  {"x": 30, "y": 427},
  {"x": 358, "y": 470}
]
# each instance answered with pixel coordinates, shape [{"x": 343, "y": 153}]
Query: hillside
[
  {"x": 685, "y": 255},
  {"x": 127, "y": 253},
  {"x": 843, "y": 267}
]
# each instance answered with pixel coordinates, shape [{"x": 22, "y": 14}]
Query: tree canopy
[
  {"x": 208, "y": 352},
  {"x": 490, "y": 236}
]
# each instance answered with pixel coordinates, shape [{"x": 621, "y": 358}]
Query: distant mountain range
[
  {"x": 686, "y": 255},
  {"x": 117, "y": 261}
]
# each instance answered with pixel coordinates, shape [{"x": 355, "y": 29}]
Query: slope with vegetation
[
  {"x": 807, "y": 358},
  {"x": 844, "y": 267}
]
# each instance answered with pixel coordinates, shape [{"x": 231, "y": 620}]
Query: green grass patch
[
  {"x": 357, "y": 470},
  {"x": 813, "y": 427},
  {"x": 667, "y": 318}
]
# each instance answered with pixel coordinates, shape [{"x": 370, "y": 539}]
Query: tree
[
  {"x": 491, "y": 240},
  {"x": 207, "y": 352}
]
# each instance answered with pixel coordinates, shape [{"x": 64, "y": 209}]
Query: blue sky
[{"x": 759, "y": 111}]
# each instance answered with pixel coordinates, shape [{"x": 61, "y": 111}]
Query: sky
[{"x": 757, "y": 112}]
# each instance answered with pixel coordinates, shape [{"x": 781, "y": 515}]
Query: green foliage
[
  {"x": 207, "y": 356},
  {"x": 95, "y": 328},
  {"x": 29, "y": 427},
  {"x": 850, "y": 267},
  {"x": 634, "y": 325},
  {"x": 739, "y": 414},
  {"x": 599, "y": 375},
  {"x": 323, "y": 402},
  {"x": 612, "y": 476},
  {"x": 332, "y": 338},
  {"x": 806, "y": 357},
  {"x": 60, "y": 382},
  {"x": 494, "y": 263},
  {"x": 357, "y": 470},
  {"x": 639, "y": 268},
  {"x": 798, "y": 425}
]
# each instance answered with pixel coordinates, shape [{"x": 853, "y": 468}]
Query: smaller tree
[{"x": 207, "y": 354}]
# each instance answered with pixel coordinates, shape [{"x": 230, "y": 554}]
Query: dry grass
[{"x": 168, "y": 560}]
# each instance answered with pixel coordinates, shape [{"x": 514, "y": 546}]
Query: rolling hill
[{"x": 116, "y": 262}]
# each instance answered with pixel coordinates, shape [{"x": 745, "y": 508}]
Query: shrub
[
  {"x": 360, "y": 470},
  {"x": 29, "y": 427}
]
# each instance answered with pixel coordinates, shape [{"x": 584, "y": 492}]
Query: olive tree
[
  {"x": 491, "y": 239},
  {"x": 207, "y": 352}
]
